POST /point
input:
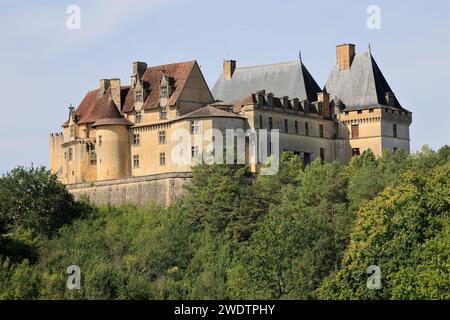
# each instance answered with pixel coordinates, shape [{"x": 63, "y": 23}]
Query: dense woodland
[{"x": 308, "y": 232}]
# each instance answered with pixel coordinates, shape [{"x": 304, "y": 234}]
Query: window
[
  {"x": 139, "y": 96},
  {"x": 177, "y": 112},
  {"x": 306, "y": 129},
  {"x": 194, "y": 151},
  {"x": 70, "y": 154},
  {"x": 163, "y": 112},
  {"x": 162, "y": 159},
  {"x": 138, "y": 116},
  {"x": 355, "y": 152},
  {"x": 320, "y": 109},
  {"x": 136, "y": 161},
  {"x": 296, "y": 126},
  {"x": 394, "y": 130},
  {"x": 162, "y": 137},
  {"x": 164, "y": 92},
  {"x": 359, "y": 111},
  {"x": 346, "y": 113},
  {"x": 270, "y": 123},
  {"x": 260, "y": 122},
  {"x": 370, "y": 110},
  {"x": 322, "y": 154},
  {"x": 321, "y": 130},
  {"x": 355, "y": 131},
  {"x": 136, "y": 139},
  {"x": 286, "y": 126},
  {"x": 100, "y": 141},
  {"x": 72, "y": 130},
  {"x": 195, "y": 127}
]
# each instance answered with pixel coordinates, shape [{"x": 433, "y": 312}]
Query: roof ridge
[{"x": 268, "y": 65}]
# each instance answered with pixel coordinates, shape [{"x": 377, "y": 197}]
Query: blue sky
[{"x": 44, "y": 66}]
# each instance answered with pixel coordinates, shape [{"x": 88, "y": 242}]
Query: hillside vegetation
[{"x": 308, "y": 232}]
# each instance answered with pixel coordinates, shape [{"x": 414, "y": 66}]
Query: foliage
[{"x": 307, "y": 232}]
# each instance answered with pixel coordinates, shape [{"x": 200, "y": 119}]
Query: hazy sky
[{"x": 44, "y": 66}]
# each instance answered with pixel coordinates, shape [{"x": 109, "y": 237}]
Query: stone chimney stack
[
  {"x": 344, "y": 55},
  {"x": 138, "y": 71},
  {"x": 115, "y": 92},
  {"x": 228, "y": 68},
  {"x": 104, "y": 85},
  {"x": 324, "y": 99}
]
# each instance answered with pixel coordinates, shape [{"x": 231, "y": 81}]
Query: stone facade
[{"x": 118, "y": 144}]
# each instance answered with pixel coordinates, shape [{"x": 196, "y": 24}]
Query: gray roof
[
  {"x": 361, "y": 86},
  {"x": 210, "y": 111},
  {"x": 290, "y": 79}
]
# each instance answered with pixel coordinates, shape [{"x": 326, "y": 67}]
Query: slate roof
[
  {"x": 362, "y": 86},
  {"x": 290, "y": 79},
  {"x": 210, "y": 111}
]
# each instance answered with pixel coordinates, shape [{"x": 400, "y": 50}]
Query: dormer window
[
  {"x": 72, "y": 130},
  {"x": 164, "y": 93},
  {"x": 165, "y": 87},
  {"x": 139, "y": 96}
]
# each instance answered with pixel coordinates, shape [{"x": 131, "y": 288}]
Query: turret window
[
  {"x": 136, "y": 139},
  {"x": 136, "y": 161},
  {"x": 321, "y": 130},
  {"x": 306, "y": 129},
  {"x": 100, "y": 141},
  {"x": 195, "y": 127},
  {"x": 286, "y": 126},
  {"x": 394, "y": 130},
  {"x": 296, "y": 126}
]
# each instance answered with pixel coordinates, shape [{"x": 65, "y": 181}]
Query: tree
[{"x": 404, "y": 231}]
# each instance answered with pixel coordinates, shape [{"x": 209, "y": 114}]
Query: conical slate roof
[
  {"x": 290, "y": 79},
  {"x": 361, "y": 86}
]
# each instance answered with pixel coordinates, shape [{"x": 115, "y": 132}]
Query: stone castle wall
[{"x": 158, "y": 188}]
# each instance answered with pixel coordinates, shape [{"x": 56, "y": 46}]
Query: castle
[{"x": 121, "y": 134}]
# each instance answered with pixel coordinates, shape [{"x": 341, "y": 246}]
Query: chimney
[
  {"x": 285, "y": 100},
  {"x": 138, "y": 71},
  {"x": 115, "y": 92},
  {"x": 344, "y": 55},
  {"x": 324, "y": 99},
  {"x": 295, "y": 103},
  {"x": 260, "y": 94},
  {"x": 269, "y": 97},
  {"x": 104, "y": 85},
  {"x": 228, "y": 68}
]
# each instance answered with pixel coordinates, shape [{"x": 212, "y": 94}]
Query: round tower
[{"x": 113, "y": 146}]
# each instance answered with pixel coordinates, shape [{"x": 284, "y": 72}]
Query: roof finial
[
  {"x": 300, "y": 55},
  {"x": 370, "y": 50}
]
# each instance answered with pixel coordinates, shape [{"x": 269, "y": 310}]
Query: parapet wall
[{"x": 159, "y": 188}]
